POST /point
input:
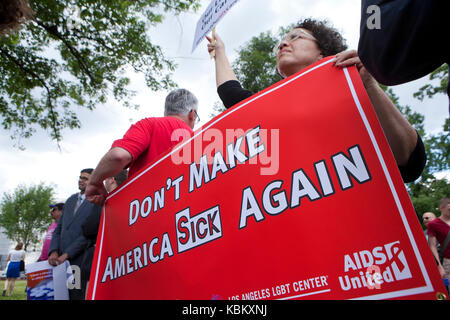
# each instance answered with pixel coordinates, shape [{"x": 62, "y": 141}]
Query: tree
[
  {"x": 428, "y": 190},
  {"x": 255, "y": 65},
  {"x": 429, "y": 90},
  {"x": 75, "y": 53},
  {"x": 25, "y": 213}
]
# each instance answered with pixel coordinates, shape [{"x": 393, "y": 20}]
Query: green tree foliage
[
  {"x": 255, "y": 66},
  {"x": 428, "y": 190},
  {"x": 25, "y": 213},
  {"x": 429, "y": 90},
  {"x": 75, "y": 53}
]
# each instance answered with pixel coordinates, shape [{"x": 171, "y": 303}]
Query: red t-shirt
[
  {"x": 149, "y": 138},
  {"x": 439, "y": 229}
]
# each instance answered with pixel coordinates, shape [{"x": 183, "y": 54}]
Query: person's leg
[
  {"x": 446, "y": 265},
  {"x": 76, "y": 294},
  {"x": 5, "y": 287},
  {"x": 12, "y": 282}
]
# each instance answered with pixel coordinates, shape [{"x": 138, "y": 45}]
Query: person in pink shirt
[
  {"x": 55, "y": 211},
  {"x": 439, "y": 232}
]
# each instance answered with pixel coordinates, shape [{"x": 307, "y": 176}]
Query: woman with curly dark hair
[
  {"x": 308, "y": 42},
  {"x": 12, "y": 14}
]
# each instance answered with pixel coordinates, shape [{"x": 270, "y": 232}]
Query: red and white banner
[{"x": 291, "y": 194}]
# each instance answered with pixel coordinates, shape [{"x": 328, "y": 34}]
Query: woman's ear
[{"x": 320, "y": 57}]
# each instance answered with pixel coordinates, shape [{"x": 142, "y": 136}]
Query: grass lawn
[{"x": 18, "y": 292}]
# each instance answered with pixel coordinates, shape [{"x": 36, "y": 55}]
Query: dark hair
[
  {"x": 329, "y": 40},
  {"x": 19, "y": 246},
  {"x": 88, "y": 170},
  {"x": 59, "y": 205},
  {"x": 121, "y": 177},
  {"x": 12, "y": 14}
]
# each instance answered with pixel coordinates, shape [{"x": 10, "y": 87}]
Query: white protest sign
[
  {"x": 46, "y": 282},
  {"x": 209, "y": 19}
]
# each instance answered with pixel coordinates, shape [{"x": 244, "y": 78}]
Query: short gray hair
[{"x": 180, "y": 102}]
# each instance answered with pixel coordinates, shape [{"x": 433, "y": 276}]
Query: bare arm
[
  {"x": 112, "y": 163},
  {"x": 224, "y": 72},
  {"x": 433, "y": 247},
  {"x": 400, "y": 134}
]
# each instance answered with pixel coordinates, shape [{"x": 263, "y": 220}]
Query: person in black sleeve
[
  {"x": 408, "y": 40},
  {"x": 309, "y": 42}
]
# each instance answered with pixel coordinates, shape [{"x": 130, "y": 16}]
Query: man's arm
[
  {"x": 400, "y": 134},
  {"x": 112, "y": 163},
  {"x": 432, "y": 243}
]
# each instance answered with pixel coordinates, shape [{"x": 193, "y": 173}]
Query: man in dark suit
[{"x": 68, "y": 242}]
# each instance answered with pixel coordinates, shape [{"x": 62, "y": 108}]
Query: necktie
[{"x": 79, "y": 200}]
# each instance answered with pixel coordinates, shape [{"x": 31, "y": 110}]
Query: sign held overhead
[{"x": 209, "y": 19}]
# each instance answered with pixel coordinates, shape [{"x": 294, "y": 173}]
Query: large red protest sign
[{"x": 291, "y": 194}]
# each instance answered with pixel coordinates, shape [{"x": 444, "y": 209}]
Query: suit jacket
[{"x": 68, "y": 236}]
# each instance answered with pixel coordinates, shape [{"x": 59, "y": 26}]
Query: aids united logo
[{"x": 371, "y": 269}]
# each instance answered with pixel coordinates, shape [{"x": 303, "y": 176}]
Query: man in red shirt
[
  {"x": 438, "y": 230},
  {"x": 145, "y": 141}
]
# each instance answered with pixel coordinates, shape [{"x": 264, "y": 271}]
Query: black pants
[{"x": 77, "y": 294}]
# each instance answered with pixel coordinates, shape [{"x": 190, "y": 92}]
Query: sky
[{"x": 42, "y": 161}]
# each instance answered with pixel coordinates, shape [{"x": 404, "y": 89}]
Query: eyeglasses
[
  {"x": 292, "y": 36},
  {"x": 197, "y": 118},
  {"x": 53, "y": 209}
]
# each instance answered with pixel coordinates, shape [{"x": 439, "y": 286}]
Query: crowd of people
[{"x": 74, "y": 232}]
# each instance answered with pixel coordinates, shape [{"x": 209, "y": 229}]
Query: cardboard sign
[
  {"x": 209, "y": 19},
  {"x": 291, "y": 194},
  {"x": 46, "y": 282}
]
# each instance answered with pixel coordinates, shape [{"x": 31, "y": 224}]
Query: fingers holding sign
[
  {"x": 212, "y": 41},
  {"x": 215, "y": 45},
  {"x": 349, "y": 58},
  {"x": 216, "y": 49}
]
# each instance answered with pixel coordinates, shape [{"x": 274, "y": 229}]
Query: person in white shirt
[{"x": 13, "y": 272}]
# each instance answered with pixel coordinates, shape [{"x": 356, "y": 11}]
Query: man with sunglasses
[
  {"x": 68, "y": 242},
  {"x": 55, "y": 212},
  {"x": 145, "y": 141},
  {"x": 427, "y": 217}
]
